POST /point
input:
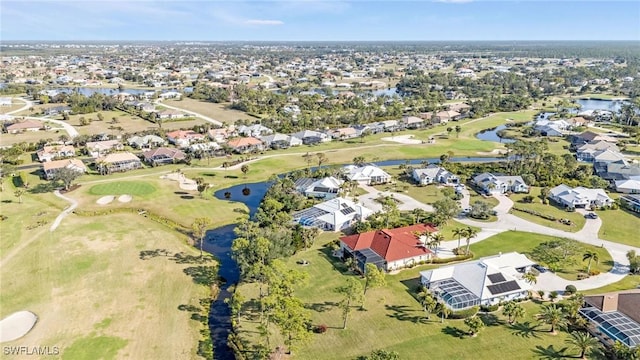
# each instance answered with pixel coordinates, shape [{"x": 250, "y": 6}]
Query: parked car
[
  {"x": 591, "y": 216},
  {"x": 541, "y": 269}
]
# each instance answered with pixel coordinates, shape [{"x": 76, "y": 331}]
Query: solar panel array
[
  {"x": 615, "y": 324},
  {"x": 496, "y": 278},
  {"x": 347, "y": 211},
  {"x": 503, "y": 287}
]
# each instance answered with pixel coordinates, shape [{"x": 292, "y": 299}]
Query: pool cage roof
[
  {"x": 453, "y": 293},
  {"x": 615, "y": 324},
  {"x": 368, "y": 256}
]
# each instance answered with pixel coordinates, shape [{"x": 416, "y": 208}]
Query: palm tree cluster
[{"x": 468, "y": 233}]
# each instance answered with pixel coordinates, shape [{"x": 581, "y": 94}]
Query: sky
[{"x": 319, "y": 20}]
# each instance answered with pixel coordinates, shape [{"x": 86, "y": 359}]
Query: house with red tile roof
[
  {"x": 245, "y": 144},
  {"x": 50, "y": 168},
  {"x": 184, "y": 138},
  {"x": 26, "y": 125},
  {"x": 389, "y": 249}
]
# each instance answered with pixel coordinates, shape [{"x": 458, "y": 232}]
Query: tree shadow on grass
[
  {"x": 321, "y": 307},
  {"x": 412, "y": 286},
  {"x": 202, "y": 275},
  {"x": 404, "y": 313},
  {"x": 491, "y": 320},
  {"x": 43, "y": 188},
  {"x": 525, "y": 329},
  {"x": 337, "y": 263},
  {"x": 550, "y": 352},
  {"x": 453, "y": 331}
]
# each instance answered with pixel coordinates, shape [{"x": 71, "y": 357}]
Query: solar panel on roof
[
  {"x": 496, "y": 278},
  {"x": 503, "y": 287},
  {"x": 347, "y": 211}
]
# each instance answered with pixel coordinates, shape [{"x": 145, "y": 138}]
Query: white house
[
  {"x": 332, "y": 215},
  {"x": 255, "y": 130},
  {"x": 434, "y": 174},
  {"x": 280, "y": 141},
  {"x": 326, "y": 188},
  {"x": 486, "y": 281},
  {"x": 369, "y": 174},
  {"x": 499, "y": 184},
  {"x": 579, "y": 197},
  {"x": 628, "y": 186},
  {"x": 52, "y": 152}
]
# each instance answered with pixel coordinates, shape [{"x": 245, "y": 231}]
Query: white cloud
[{"x": 263, "y": 22}]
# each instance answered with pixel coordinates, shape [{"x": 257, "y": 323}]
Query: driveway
[{"x": 405, "y": 202}]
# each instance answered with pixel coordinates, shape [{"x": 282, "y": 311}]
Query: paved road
[
  {"x": 205, "y": 118},
  {"x": 65, "y": 212},
  {"x": 405, "y": 202},
  {"x": 66, "y": 126}
]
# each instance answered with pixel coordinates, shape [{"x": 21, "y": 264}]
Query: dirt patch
[
  {"x": 402, "y": 139},
  {"x": 17, "y": 325},
  {"x": 105, "y": 200},
  {"x": 71, "y": 188},
  {"x": 124, "y": 198}
]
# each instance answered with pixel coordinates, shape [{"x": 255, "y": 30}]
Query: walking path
[
  {"x": 68, "y": 210},
  {"x": 205, "y": 118}
]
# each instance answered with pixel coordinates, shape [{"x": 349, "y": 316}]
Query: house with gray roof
[
  {"x": 146, "y": 141},
  {"x": 434, "y": 174},
  {"x": 500, "y": 184},
  {"x": 255, "y": 130},
  {"x": 280, "y": 141},
  {"x": 325, "y": 188},
  {"x": 629, "y": 186},
  {"x": 579, "y": 197},
  {"x": 486, "y": 281},
  {"x": 587, "y": 151},
  {"x": 310, "y": 137}
]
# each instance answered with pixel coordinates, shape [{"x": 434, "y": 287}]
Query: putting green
[{"x": 123, "y": 188}]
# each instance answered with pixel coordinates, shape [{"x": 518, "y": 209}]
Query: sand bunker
[
  {"x": 183, "y": 182},
  {"x": 16, "y": 325},
  {"x": 105, "y": 200},
  {"x": 402, "y": 139},
  {"x": 492, "y": 152},
  {"x": 124, "y": 198}
]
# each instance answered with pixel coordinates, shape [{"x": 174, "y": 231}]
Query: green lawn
[
  {"x": 627, "y": 283},
  {"x": 524, "y": 242},
  {"x": 393, "y": 320},
  {"x": 620, "y": 226},
  {"x": 139, "y": 188},
  {"x": 576, "y": 218}
]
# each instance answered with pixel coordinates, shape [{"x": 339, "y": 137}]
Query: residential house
[
  {"x": 325, "y": 188},
  {"x": 280, "y": 141},
  {"x": 253, "y": 130},
  {"x": 551, "y": 128},
  {"x": 146, "y": 141},
  {"x": 500, "y": 184},
  {"x": 118, "y": 162},
  {"x": 590, "y": 136},
  {"x": 96, "y": 149},
  {"x": 391, "y": 125},
  {"x": 628, "y": 186},
  {"x": 170, "y": 114},
  {"x": 602, "y": 160},
  {"x": 443, "y": 117},
  {"x": 369, "y": 174},
  {"x": 183, "y": 138},
  {"x": 57, "y": 110},
  {"x": 587, "y": 151},
  {"x": 579, "y": 197},
  {"x": 53, "y": 152},
  {"x": 245, "y": 145},
  {"x": 619, "y": 171},
  {"x": 332, "y": 215},
  {"x": 50, "y": 168},
  {"x": 412, "y": 122},
  {"x": 343, "y": 133},
  {"x": 614, "y": 317},
  {"x": 631, "y": 202},
  {"x": 163, "y": 155},
  {"x": 170, "y": 95},
  {"x": 462, "y": 108},
  {"x": 22, "y": 126},
  {"x": 434, "y": 174},
  {"x": 486, "y": 281},
  {"x": 389, "y": 249},
  {"x": 310, "y": 137}
]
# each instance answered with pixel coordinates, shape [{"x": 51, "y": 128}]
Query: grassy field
[
  {"x": 129, "y": 123},
  {"x": 524, "y": 242},
  {"x": 138, "y": 188},
  {"x": 394, "y": 320},
  {"x": 627, "y": 283},
  {"x": 620, "y": 226},
  {"x": 94, "y": 296},
  {"x": 215, "y": 111},
  {"x": 576, "y": 218},
  {"x": 31, "y": 136}
]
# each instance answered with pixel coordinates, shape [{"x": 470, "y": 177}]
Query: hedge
[
  {"x": 452, "y": 259},
  {"x": 533, "y": 212},
  {"x": 463, "y": 314}
]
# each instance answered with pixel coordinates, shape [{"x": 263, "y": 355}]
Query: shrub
[
  {"x": 320, "y": 329},
  {"x": 594, "y": 272},
  {"x": 463, "y": 314},
  {"x": 489, "y": 308},
  {"x": 452, "y": 259},
  {"x": 570, "y": 289}
]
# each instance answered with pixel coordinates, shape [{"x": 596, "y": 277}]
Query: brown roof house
[
  {"x": 26, "y": 125},
  {"x": 245, "y": 144},
  {"x": 118, "y": 162},
  {"x": 614, "y": 316},
  {"x": 163, "y": 155},
  {"x": 51, "y": 167}
]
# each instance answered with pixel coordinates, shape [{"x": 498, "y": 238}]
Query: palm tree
[
  {"x": 459, "y": 232},
  {"x": 583, "y": 341},
  {"x": 590, "y": 255},
  {"x": 436, "y": 240},
  {"x": 530, "y": 278},
  {"x": 513, "y": 311},
  {"x": 552, "y": 315},
  {"x": 469, "y": 233},
  {"x": 427, "y": 301},
  {"x": 18, "y": 193}
]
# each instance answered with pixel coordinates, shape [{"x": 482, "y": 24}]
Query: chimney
[{"x": 610, "y": 302}]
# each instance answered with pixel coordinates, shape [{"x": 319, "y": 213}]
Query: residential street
[{"x": 67, "y": 127}]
